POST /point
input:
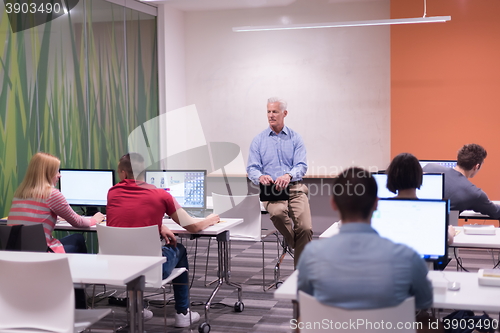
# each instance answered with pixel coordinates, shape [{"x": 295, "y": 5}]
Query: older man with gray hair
[{"x": 278, "y": 156}]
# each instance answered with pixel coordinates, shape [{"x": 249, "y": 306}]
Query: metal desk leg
[
  {"x": 296, "y": 314},
  {"x": 224, "y": 243},
  {"x": 223, "y": 274},
  {"x": 219, "y": 281},
  {"x": 135, "y": 291}
]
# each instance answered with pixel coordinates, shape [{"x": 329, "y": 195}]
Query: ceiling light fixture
[
  {"x": 423, "y": 19},
  {"x": 432, "y": 19}
]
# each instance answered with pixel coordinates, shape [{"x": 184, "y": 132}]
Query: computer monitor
[
  {"x": 420, "y": 224},
  {"x": 432, "y": 186},
  {"x": 188, "y": 187},
  {"x": 86, "y": 187},
  {"x": 445, "y": 163}
]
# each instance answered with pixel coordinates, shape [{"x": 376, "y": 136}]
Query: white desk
[
  {"x": 332, "y": 230},
  {"x": 225, "y": 224},
  {"x": 471, "y": 295},
  {"x": 288, "y": 290},
  {"x": 476, "y": 241},
  {"x": 220, "y": 231},
  {"x": 470, "y": 214},
  {"x": 104, "y": 269},
  {"x": 212, "y": 231},
  {"x": 463, "y": 240},
  {"x": 65, "y": 226}
]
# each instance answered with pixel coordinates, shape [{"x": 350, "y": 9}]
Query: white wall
[
  {"x": 336, "y": 81},
  {"x": 171, "y": 58},
  {"x": 171, "y": 68}
]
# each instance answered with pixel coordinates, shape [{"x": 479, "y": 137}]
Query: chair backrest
[
  {"x": 36, "y": 295},
  {"x": 314, "y": 314},
  {"x": 140, "y": 241},
  {"x": 30, "y": 237},
  {"x": 246, "y": 207}
]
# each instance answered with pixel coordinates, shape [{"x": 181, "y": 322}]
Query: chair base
[
  {"x": 277, "y": 268},
  {"x": 85, "y": 318},
  {"x": 281, "y": 249}
]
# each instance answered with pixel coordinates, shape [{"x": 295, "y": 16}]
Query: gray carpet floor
[{"x": 262, "y": 313}]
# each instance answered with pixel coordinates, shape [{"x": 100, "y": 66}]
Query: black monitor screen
[
  {"x": 419, "y": 224},
  {"x": 86, "y": 187},
  {"x": 445, "y": 163},
  {"x": 432, "y": 186},
  {"x": 186, "y": 186}
]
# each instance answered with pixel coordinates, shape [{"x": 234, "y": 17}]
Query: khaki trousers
[{"x": 292, "y": 218}]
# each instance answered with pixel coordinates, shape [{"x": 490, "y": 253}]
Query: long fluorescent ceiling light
[{"x": 432, "y": 19}]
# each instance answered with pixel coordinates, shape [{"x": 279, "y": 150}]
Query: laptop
[{"x": 270, "y": 193}]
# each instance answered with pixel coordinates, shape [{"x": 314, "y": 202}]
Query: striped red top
[{"x": 45, "y": 211}]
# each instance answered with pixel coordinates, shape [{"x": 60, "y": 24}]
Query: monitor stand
[
  {"x": 196, "y": 212},
  {"x": 430, "y": 265},
  {"x": 91, "y": 210}
]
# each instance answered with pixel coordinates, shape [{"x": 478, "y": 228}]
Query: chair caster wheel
[
  {"x": 278, "y": 284},
  {"x": 204, "y": 328},
  {"x": 239, "y": 306}
]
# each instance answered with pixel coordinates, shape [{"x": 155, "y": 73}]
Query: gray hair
[{"x": 283, "y": 104}]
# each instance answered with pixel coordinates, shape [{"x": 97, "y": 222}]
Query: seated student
[
  {"x": 134, "y": 203},
  {"x": 37, "y": 200},
  {"x": 404, "y": 177},
  {"x": 462, "y": 193},
  {"x": 358, "y": 269}
]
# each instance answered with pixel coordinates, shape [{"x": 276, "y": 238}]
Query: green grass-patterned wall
[{"x": 74, "y": 87}]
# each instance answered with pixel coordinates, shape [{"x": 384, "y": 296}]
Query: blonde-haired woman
[{"x": 37, "y": 200}]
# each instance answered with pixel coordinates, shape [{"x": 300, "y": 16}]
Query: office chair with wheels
[
  {"x": 312, "y": 311},
  {"x": 140, "y": 241},
  {"x": 38, "y": 296},
  {"x": 281, "y": 245}
]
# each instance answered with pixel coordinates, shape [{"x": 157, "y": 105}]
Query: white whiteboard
[{"x": 336, "y": 81}]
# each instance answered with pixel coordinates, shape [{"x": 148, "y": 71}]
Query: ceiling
[{"x": 203, "y": 5}]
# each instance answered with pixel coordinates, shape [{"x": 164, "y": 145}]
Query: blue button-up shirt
[
  {"x": 358, "y": 269},
  {"x": 277, "y": 154}
]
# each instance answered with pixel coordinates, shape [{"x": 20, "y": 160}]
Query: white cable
[{"x": 425, "y": 8}]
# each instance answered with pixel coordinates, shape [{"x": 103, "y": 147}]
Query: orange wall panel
[{"x": 445, "y": 83}]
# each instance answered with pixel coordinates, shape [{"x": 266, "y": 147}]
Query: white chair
[
  {"x": 38, "y": 296},
  {"x": 141, "y": 241},
  {"x": 314, "y": 313},
  {"x": 248, "y": 208}
]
